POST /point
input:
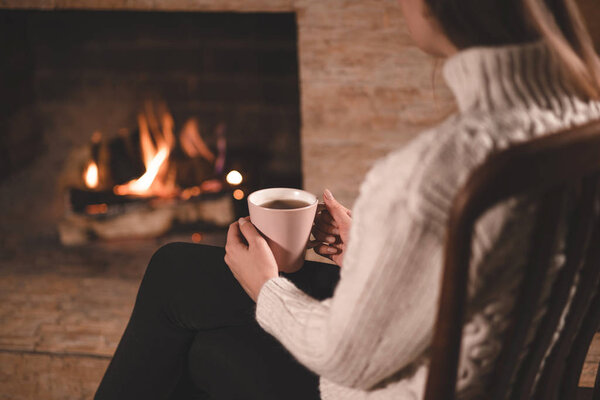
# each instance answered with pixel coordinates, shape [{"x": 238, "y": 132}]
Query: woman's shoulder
[
  {"x": 426, "y": 172},
  {"x": 390, "y": 181},
  {"x": 399, "y": 164},
  {"x": 436, "y": 150}
]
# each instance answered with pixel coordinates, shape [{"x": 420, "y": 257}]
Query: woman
[{"x": 519, "y": 69}]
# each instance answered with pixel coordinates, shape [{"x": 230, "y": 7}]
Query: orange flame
[
  {"x": 157, "y": 139},
  {"x": 90, "y": 175},
  {"x": 142, "y": 185},
  {"x": 156, "y": 163}
]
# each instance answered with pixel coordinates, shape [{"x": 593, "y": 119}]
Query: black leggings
[{"x": 193, "y": 335}]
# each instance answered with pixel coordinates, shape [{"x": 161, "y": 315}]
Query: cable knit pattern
[{"x": 370, "y": 340}]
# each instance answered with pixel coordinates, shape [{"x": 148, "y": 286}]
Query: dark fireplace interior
[
  {"x": 66, "y": 75},
  {"x": 71, "y": 258}
]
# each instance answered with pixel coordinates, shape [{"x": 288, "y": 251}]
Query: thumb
[
  {"x": 249, "y": 231},
  {"x": 337, "y": 211}
]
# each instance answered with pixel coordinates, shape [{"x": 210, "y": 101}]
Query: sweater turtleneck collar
[{"x": 492, "y": 78}]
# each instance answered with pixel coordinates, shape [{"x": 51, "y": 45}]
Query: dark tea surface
[{"x": 285, "y": 204}]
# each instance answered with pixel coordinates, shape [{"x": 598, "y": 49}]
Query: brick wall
[{"x": 17, "y": 111}]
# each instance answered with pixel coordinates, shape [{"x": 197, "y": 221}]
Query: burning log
[
  {"x": 144, "y": 182},
  {"x": 153, "y": 161},
  {"x": 105, "y": 215},
  {"x": 122, "y": 159},
  {"x": 79, "y": 200}
]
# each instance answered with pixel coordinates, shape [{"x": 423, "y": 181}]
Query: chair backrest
[{"x": 554, "y": 166}]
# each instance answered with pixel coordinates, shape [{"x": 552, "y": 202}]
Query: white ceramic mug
[{"x": 287, "y": 230}]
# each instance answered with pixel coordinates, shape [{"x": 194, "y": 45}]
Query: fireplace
[
  {"x": 95, "y": 97},
  {"x": 365, "y": 90}
]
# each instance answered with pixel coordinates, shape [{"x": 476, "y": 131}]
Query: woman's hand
[
  {"x": 331, "y": 229},
  {"x": 249, "y": 257}
]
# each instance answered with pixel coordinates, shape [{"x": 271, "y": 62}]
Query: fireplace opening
[{"x": 122, "y": 124}]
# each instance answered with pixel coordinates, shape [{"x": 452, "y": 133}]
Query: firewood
[{"x": 80, "y": 199}]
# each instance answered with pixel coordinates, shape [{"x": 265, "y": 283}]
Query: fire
[
  {"x": 96, "y": 208},
  {"x": 155, "y": 159},
  {"x": 156, "y": 141},
  {"x": 90, "y": 175},
  {"x": 142, "y": 185}
]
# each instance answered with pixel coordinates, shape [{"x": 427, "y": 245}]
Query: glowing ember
[
  {"x": 195, "y": 191},
  {"x": 96, "y": 209},
  {"x": 188, "y": 193},
  {"x": 91, "y": 175},
  {"x": 234, "y": 177},
  {"x": 238, "y": 194},
  {"x": 196, "y": 237},
  {"x": 211, "y": 185}
]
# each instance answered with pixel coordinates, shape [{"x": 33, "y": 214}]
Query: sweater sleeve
[{"x": 381, "y": 315}]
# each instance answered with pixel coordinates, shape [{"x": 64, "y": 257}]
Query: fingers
[
  {"x": 326, "y": 251},
  {"x": 321, "y": 207},
  {"x": 325, "y": 228},
  {"x": 337, "y": 211},
  {"x": 324, "y": 237},
  {"x": 249, "y": 231},
  {"x": 325, "y": 223},
  {"x": 326, "y": 218},
  {"x": 234, "y": 237},
  {"x": 312, "y": 243},
  {"x": 233, "y": 233}
]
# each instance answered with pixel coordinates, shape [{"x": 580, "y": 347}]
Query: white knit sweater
[{"x": 370, "y": 340}]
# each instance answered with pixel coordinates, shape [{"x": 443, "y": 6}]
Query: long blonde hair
[{"x": 500, "y": 22}]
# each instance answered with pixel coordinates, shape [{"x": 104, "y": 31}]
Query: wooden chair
[{"x": 553, "y": 166}]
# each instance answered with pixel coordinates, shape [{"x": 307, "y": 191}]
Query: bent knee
[
  {"x": 169, "y": 251},
  {"x": 173, "y": 261},
  {"x": 163, "y": 264}
]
